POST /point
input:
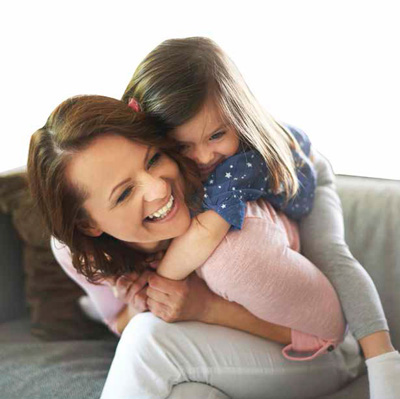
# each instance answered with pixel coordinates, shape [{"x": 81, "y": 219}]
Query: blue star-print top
[{"x": 245, "y": 177}]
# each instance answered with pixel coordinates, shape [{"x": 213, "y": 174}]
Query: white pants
[{"x": 214, "y": 362}]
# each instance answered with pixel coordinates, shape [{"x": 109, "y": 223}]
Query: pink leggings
[{"x": 269, "y": 277}]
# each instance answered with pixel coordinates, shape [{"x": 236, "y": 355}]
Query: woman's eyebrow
[{"x": 128, "y": 179}]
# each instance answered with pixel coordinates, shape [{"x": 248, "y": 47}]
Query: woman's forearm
[
  {"x": 323, "y": 243},
  {"x": 233, "y": 315}
]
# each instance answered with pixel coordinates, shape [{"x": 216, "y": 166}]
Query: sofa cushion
[
  {"x": 371, "y": 210},
  {"x": 12, "y": 297},
  {"x": 50, "y": 294},
  {"x": 62, "y": 370}
]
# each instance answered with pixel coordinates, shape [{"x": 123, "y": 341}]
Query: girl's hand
[
  {"x": 172, "y": 300},
  {"x": 131, "y": 289}
]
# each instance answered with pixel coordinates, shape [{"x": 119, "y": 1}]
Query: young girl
[
  {"x": 243, "y": 176},
  {"x": 199, "y": 71}
]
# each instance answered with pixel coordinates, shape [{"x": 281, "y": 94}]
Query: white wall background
[{"x": 329, "y": 67}]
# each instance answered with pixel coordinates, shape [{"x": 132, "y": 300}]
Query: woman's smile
[{"x": 165, "y": 213}]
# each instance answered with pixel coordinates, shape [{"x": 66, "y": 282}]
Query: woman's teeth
[{"x": 164, "y": 211}]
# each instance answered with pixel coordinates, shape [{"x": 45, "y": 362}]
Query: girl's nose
[
  {"x": 155, "y": 188},
  {"x": 202, "y": 156}
]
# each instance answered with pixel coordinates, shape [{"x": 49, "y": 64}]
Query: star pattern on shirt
[{"x": 250, "y": 177}]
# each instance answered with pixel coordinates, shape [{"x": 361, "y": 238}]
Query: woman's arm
[
  {"x": 191, "y": 299},
  {"x": 112, "y": 309},
  {"x": 322, "y": 241}
]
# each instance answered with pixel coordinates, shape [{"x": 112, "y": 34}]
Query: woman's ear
[
  {"x": 92, "y": 232},
  {"x": 89, "y": 229}
]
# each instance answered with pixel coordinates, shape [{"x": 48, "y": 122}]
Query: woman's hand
[
  {"x": 191, "y": 299},
  {"x": 172, "y": 300}
]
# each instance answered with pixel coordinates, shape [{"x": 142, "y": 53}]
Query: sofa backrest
[
  {"x": 12, "y": 297},
  {"x": 371, "y": 210}
]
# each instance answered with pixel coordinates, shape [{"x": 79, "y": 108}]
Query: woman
[{"x": 78, "y": 164}]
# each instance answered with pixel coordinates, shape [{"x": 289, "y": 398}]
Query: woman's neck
[{"x": 150, "y": 247}]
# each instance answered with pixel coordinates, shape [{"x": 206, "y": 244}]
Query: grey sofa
[{"x": 30, "y": 368}]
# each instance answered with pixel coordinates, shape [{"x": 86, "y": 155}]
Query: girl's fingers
[
  {"x": 127, "y": 286},
  {"x": 139, "y": 284},
  {"x": 140, "y": 300}
]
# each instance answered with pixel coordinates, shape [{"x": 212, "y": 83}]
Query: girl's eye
[
  {"x": 124, "y": 195},
  {"x": 217, "y": 135},
  {"x": 154, "y": 159}
]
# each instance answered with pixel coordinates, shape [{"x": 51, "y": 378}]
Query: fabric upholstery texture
[{"x": 67, "y": 370}]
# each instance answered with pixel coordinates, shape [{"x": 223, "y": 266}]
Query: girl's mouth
[
  {"x": 165, "y": 213},
  {"x": 205, "y": 171}
]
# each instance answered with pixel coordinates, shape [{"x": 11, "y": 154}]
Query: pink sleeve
[
  {"x": 101, "y": 295},
  {"x": 270, "y": 278}
]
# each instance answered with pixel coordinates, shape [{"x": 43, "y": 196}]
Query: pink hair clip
[{"x": 134, "y": 104}]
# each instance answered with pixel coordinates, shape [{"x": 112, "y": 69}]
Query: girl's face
[
  {"x": 135, "y": 192},
  {"x": 207, "y": 139}
]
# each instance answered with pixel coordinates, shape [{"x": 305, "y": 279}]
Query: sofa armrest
[
  {"x": 12, "y": 300},
  {"x": 371, "y": 209}
]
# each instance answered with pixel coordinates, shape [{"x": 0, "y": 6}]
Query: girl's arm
[{"x": 189, "y": 251}]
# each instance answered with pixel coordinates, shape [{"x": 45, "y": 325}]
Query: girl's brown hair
[
  {"x": 174, "y": 81},
  {"x": 71, "y": 128}
]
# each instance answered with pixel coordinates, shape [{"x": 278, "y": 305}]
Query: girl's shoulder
[{"x": 243, "y": 160}]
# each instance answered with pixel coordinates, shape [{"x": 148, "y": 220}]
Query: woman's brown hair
[
  {"x": 174, "y": 81},
  {"x": 71, "y": 128}
]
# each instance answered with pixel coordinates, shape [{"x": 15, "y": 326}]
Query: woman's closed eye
[
  {"x": 124, "y": 195},
  {"x": 154, "y": 159}
]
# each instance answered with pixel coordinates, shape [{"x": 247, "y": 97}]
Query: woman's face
[
  {"x": 135, "y": 192},
  {"x": 207, "y": 139}
]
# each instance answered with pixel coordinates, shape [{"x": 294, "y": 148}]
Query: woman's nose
[{"x": 155, "y": 188}]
